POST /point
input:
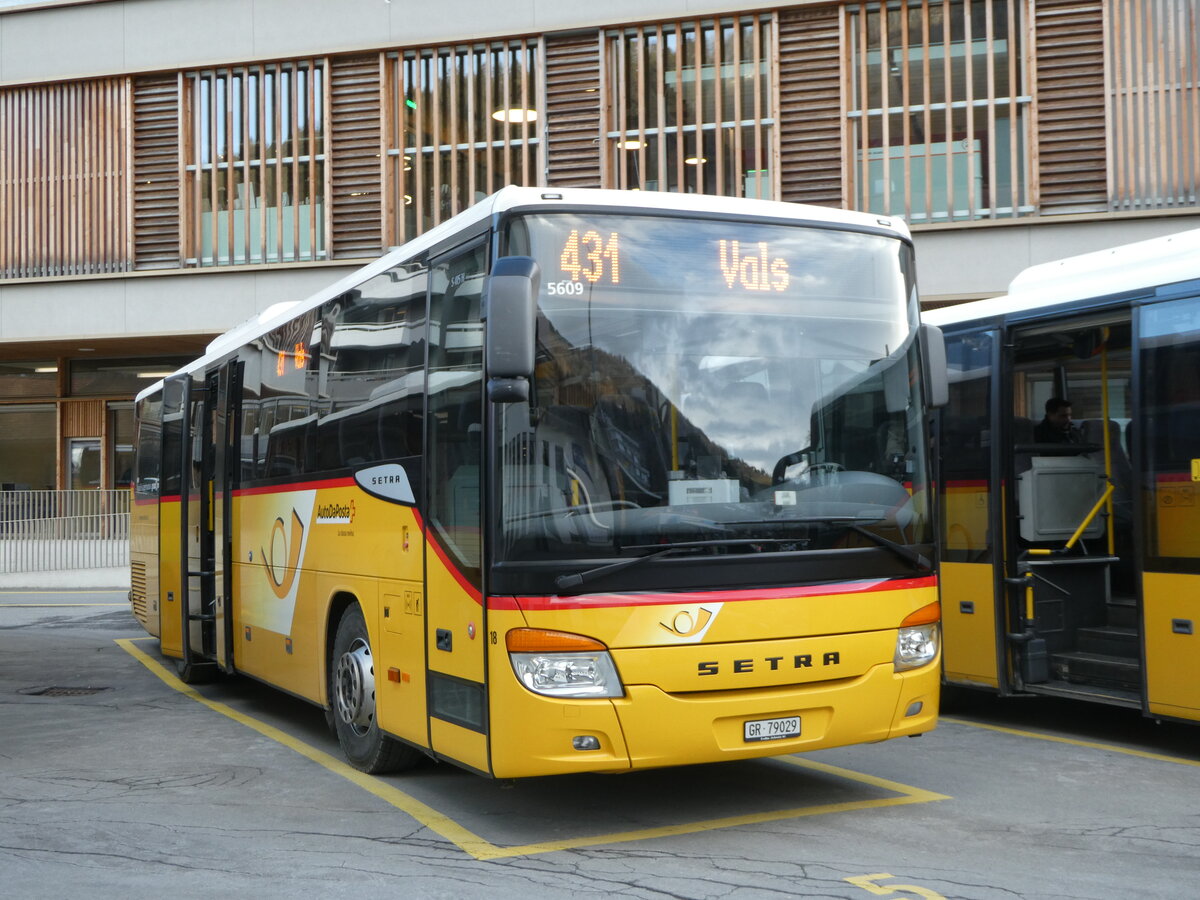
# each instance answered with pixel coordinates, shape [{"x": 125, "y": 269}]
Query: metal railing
[{"x": 44, "y": 531}]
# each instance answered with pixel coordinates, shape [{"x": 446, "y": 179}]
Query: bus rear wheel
[{"x": 352, "y": 701}]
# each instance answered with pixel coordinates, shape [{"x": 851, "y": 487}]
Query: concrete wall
[
  {"x": 147, "y": 35},
  {"x": 193, "y": 303},
  {"x": 974, "y": 261}
]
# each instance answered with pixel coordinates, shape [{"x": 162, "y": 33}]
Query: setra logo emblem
[
  {"x": 281, "y": 560},
  {"x": 691, "y": 624}
]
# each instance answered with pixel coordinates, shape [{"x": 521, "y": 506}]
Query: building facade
[{"x": 169, "y": 168}]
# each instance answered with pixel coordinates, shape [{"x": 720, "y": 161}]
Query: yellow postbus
[
  {"x": 575, "y": 481},
  {"x": 1070, "y": 547}
]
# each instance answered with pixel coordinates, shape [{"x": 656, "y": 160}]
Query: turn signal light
[
  {"x": 926, "y": 615},
  {"x": 541, "y": 640}
]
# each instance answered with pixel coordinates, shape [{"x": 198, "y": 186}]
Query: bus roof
[
  {"x": 1118, "y": 270},
  {"x": 515, "y": 198}
]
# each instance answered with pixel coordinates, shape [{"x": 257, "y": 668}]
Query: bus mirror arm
[
  {"x": 510, "y": 327},
  {"x": 933, "y": 365}
]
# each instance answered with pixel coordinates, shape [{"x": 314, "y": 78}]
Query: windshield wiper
[
  {"x": 563, "y": 582},
  {"x": 852, "y": 522},
  {"x": 916, "y": 558}
]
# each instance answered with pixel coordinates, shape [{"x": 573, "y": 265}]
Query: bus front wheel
[{"x": 352, "y": 700}]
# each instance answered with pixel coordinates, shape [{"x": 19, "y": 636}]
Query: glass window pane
[
  {"x": 28, "y": 378},
  {"x": 714, "y": 89},
  {"x": 928, "y": 102},
  {"x": 467, "y": 127},
  {"x": 255, "y": 132},
  {"x": 27, "y": 447},
  {"x": 123, "y": 377},
  {"x": 1170, "y": 345}
]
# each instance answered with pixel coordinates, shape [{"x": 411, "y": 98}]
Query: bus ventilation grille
[{"x": 137, "y": 590}]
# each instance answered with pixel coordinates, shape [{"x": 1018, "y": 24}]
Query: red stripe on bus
[
  {"x": 472, "y": 591},
  {"x": 1172, "y": 477},
  {"x": 610, "y": 601}
]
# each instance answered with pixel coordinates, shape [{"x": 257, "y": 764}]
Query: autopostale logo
[
  {"x": 691, "y": 623},
  {"x": 281, "y": 557}
]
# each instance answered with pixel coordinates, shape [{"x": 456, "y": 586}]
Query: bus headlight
[
  {"x": 558, "y": 664},
  {"x": 916, "y": 646},
  {"x": 917, "y": 638}
]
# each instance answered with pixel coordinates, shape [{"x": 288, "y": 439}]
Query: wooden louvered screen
[
  {"x": 573, "y": 110},
  {"x": 810, "y": 106},
  {"x": 82, "y": 418},
  {"x": 156, "y": 138},
  {"x": 1154, "y": 112},
  {"x": 462, "y": 122},
  {"x": 668, "y": 127},
  {"x": 1069, "y": 74},
  {"x": 355, "y": 126},
  {"x": 63, "y": 164}
]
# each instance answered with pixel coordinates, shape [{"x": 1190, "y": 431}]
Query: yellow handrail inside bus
[{"x": 1087, "y": 520}]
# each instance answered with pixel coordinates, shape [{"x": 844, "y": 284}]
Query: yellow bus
[
  {"x": 575, "y": 481},
  {"x": 1070, "y": 549}
]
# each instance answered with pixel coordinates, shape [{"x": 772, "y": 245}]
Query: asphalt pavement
[{"x": 116, "y": 780}]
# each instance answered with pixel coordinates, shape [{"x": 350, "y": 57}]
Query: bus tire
[{"x": 352, "y": 700}]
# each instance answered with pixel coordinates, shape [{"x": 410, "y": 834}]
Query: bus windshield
[{"x": 717, "y": 385}]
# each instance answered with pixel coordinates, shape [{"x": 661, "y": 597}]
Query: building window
[
  {"x": 120, "y": 444},
  {"x": 464, "y": 121},
  {"x": 28, "y": 378},
  {"x": 120, "y": 377},
  {"x": 937, "y": 112},
  {"x": 691, "y": 108},
  {"x": 256, "y": 164},
  {"x": 28, "y": 434}
]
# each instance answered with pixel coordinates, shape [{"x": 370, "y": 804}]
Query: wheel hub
[{"x": 355, "y": 681}]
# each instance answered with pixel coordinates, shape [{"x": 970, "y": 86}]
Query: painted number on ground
[{"x": 872, "y": 883}]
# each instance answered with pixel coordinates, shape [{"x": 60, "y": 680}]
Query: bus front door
[
  {"x": 455, "y": 622},
  {"x": 208, "y": 443}
]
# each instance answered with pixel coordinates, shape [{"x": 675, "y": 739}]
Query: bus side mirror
[
  {"x": 509, "y": 332},
  {"x": 933, "y": 366}
]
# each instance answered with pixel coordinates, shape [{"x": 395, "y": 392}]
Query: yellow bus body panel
[
  {"x": 170, "y": 624},
  {"x": 969, "y": 653},
  {"x": 297, "y": 551},
  {"x": 1177, "y": 518},
  {"x": 1172, "y": 660},
  {"x": 143, "y": 563},
  {"x": 462, "y": 745},
  {"x": 966, "y": 514},
  {"x": 839, "y": 678},
  {"x": 400, "y": 679}
]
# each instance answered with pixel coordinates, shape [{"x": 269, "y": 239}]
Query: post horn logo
[
  {"x": 686, "y": 625},
  {"x": 283, "y": 547}
]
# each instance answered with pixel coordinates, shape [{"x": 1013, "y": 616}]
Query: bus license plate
[{"x": 772, "y": 729}]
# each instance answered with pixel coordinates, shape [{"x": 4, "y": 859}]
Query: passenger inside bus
[{"x": 1056, "y": 426}]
